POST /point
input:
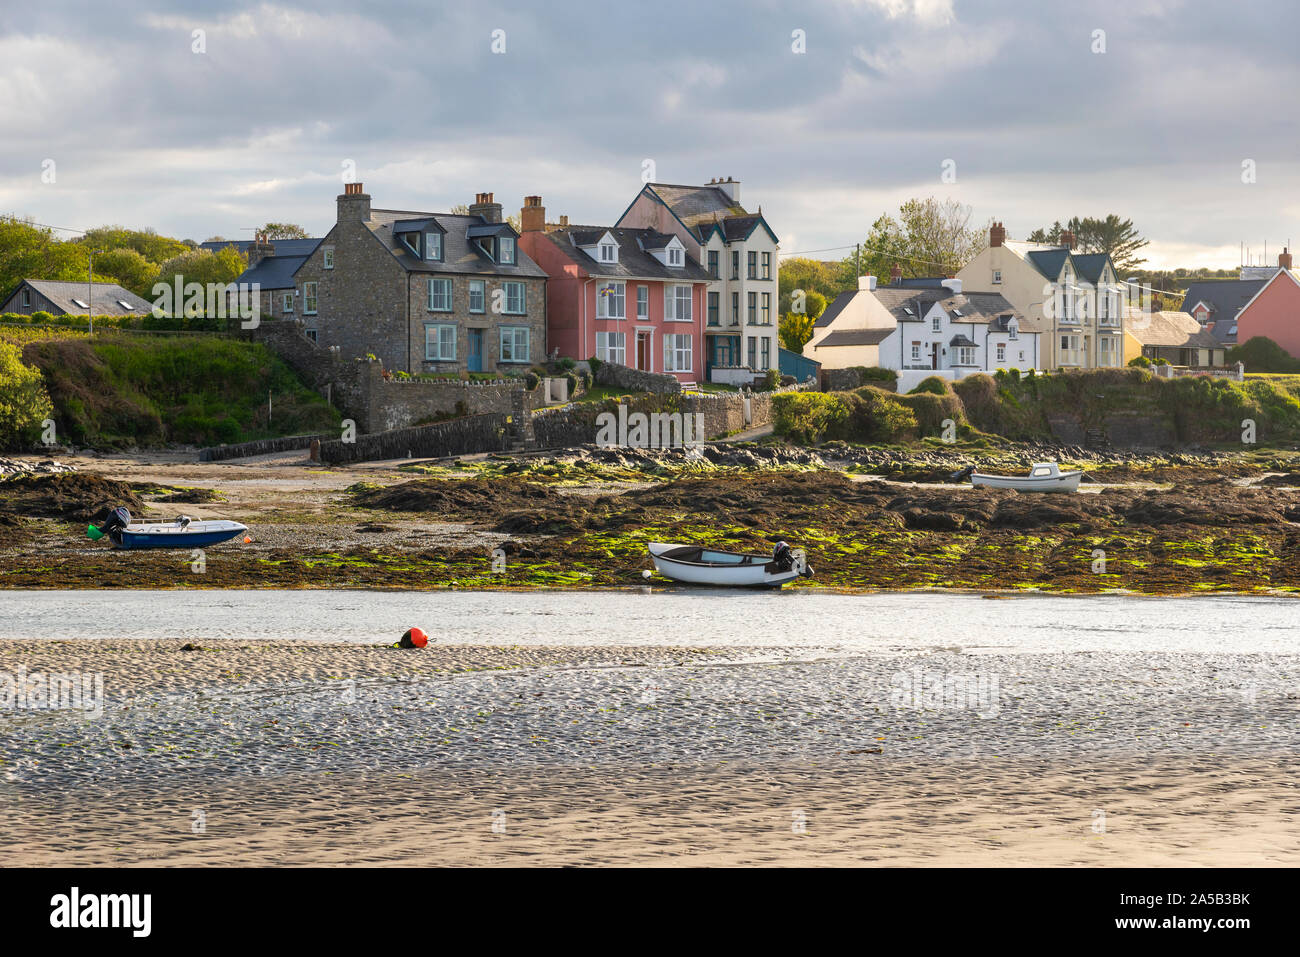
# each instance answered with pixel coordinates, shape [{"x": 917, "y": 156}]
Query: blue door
[{"x": 475, "y": 359}]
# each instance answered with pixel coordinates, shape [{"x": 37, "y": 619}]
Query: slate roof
[
  {"x": 703, "y": 208},
  {"x": 1049, "y": 260},
  {"x": 634, "y": 261},
  {"x": 695, "y": 204},
  {"x": 104, "y": 298},
  {"x": 835, "y": 308},
  {"x": 460, "y": 255},
  {"x": 1225, "y": 297},
  {"x": 1089, "y": 265},
  {"x": 856, "y": 337},
  {"x": 274, "y": 272},
  {"x": 283, "y": 247},
  {"x": 977, "y": 308},
  {"x": 1171, "y": 330}
]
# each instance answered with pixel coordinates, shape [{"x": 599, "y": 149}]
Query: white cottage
[{"x": 924, "y": 327}]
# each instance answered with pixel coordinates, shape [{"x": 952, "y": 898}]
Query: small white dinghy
[
  {"x": 701, "y": 566},
  {"x": 1043, "y": 477}
]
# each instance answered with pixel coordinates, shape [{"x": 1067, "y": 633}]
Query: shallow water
[{"x": 884, "y": 623}]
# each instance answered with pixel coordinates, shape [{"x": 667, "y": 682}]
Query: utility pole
[
  {"x": 90, "y": 288},
  {"x": 857, "y": 261}
]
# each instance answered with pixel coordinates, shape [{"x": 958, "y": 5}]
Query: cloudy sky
[{"x": 137, "y": 122}]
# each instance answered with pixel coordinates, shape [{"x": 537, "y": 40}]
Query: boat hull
[
  {"x": 168, "y": 535},
  {"x": 1064, "y": 482},
  {"x": 753, "y": 572}
]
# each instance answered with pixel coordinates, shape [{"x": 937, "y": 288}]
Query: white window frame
[
  {"x": 1002, "y": 352},
  {"x": 608, "y": 252},
  {"x": 675, "y": 303},
  {"x": 997, "y": 277},
  {"x": 936, "y": 323},
  {"x": 310, "y": 298},
  {"x": 965, "y": 355},
  {"x": 678, "y": 352},
  {"x": 612, "y": 305},
  {"x": 514, "y": 335},
  {"x": 675, "y": 254},
  {"x": 441, "y": 341},
  {"x": 916, "y": 352},
  {"x": 327, "y": 257},
  {"x": 612, "y": 347},
  {"x": 481, "y": 287},
  {"x": 439, "y": 283},
  {"x": 643, "y": 302},
  {"x": 513, "y": 291}
]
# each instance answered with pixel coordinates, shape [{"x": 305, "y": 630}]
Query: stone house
[{"x": 423, "y": 292}]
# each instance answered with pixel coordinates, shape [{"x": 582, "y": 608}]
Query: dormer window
[
  {"x": 608, "y": 253},
  {"x": 506, "y": 247},
  {"x": 674, "y": 256},
  {"x": 433, "y": 246}
]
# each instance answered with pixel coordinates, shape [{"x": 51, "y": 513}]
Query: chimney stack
[
  {"x": 997, "y": 235},
  {"x": 867, "y": 283},
  {"x": 485, "y": 207},
  {"x": 354, "y": 204},
  {"x": 532, "y": 218},
  {"x": 1284, "y": 258},
  {"x": 895, "y": 274},
  {"x": 731, "y": 187},
  {"x": 1067, "y": 239},
  {"x": 260, "y": 249}
]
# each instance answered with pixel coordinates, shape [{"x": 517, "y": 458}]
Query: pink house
[
  {"x": 630, "y": 296},
  {"x": 1274, "y": 311}
]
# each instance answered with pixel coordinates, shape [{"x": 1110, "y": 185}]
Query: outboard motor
[
  {"x": 118, "y": 519},
  {"x": 783, "y": 556},
  {"x": 963, "y": 474}
]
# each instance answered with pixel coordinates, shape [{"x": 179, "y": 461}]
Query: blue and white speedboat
[{"x": 183, "y": 532}]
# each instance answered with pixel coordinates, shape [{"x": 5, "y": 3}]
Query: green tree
[
  {"x": 276, "y": 231},
  {"x": 151, "y": 246},
  {"x": 810, "y": 275},
  {"x": 794, "y": 330},
  {"x": 930, "y": 237},
  {"x": 24, "y": 403},
  {"x": 202, "y": 266},
  {"x": 28, "y": 251},
  {"x": 128, "y": 268},
  {"x": 1116, "y": 237}
]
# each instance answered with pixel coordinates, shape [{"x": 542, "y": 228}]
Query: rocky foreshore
[{"x": 10, "y": 467}]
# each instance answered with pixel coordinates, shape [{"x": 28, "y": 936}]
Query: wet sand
[{"x": 871, "y": 812}]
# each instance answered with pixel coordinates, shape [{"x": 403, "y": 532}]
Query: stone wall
[
  {"x": 846, "y": 380},
  {"x": 464, "y": 436},
  {"x": 242, "y": 450},
  {"x": 376, "y": 404},
  {"x": 635, "y": 380},
  {"x": 488, "y": 322},
  {"x": 724, "y": 414}
]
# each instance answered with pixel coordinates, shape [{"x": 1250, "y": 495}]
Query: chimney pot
[
  {"x": 1067, "y": 239},
  {"x": 354, "y": 204}
]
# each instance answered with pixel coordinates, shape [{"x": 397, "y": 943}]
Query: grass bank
[{"x": 120, "y": 391}]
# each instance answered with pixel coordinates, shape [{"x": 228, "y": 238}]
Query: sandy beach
[{"x": 299, "y": 753}]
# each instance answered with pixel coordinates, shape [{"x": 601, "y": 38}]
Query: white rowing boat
[
  {"x": 694, "y": 565},
  {"x": 1043, "y": 477}
]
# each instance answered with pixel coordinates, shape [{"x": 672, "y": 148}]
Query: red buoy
[{"x": 413, "y": 638}]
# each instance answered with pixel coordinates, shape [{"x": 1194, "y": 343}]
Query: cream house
[
  {"x": 739, "y": 250},
  {"x": 1076, "y": 298}
]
